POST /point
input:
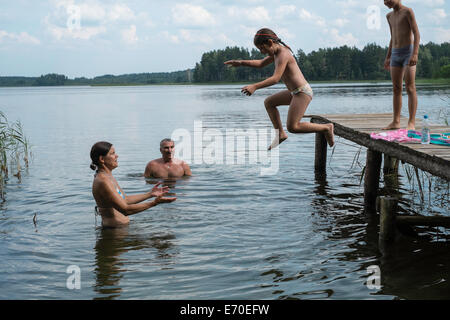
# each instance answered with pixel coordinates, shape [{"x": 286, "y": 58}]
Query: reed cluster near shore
[{"x": 15, "y": 151}]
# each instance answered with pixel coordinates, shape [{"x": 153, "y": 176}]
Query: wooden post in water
[
  {"x": 390, "y": 165},
  {"x": 390, "y": 176},
  {"x": 371, "y": 180},
  {"x": 388, "y": 210},
  {"x": 320, "y": 161}
]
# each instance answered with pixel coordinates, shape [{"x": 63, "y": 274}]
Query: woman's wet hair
[
  {"x": 264, "y": 35},
  {"x": 99, "y": 149}
]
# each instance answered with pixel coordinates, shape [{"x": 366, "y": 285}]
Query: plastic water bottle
[{"x": 425, "y": 130}]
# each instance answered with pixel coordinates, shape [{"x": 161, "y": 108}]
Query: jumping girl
[{"x": 299, "y": 93}]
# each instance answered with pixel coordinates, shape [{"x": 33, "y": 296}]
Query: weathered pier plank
[{"x": 434, "y": 159}]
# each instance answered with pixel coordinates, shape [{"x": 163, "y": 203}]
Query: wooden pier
[{"x": 431, "y": 158}]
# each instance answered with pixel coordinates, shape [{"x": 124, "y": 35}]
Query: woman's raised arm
[{"x": 127, "y": 209}]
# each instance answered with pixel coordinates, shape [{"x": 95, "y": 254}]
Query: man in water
[
  {"x": 402, "y": 58},
  {"x": 167, "y": 166}
]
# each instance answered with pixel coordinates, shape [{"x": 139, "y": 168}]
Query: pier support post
[
  {"x": 390, "y": 176},
  {"x": 388, "y": 210},
  {"x": 390, "y": 165},
  {"x": 371, "y": 180},
  {"x": 320, "y": 161}
]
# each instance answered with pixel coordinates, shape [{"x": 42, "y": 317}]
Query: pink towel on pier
[{"x": 400, "y": 135}]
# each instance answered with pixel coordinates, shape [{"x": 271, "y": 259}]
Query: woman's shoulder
[{"x": 101, "y": 180}]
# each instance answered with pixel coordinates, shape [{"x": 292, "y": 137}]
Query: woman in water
[{"x": 113, "y": 204}]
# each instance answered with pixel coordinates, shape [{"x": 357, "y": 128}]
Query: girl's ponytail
[
  {"x": 263, "y": 35},
  {"x": 284, "y": 44}
]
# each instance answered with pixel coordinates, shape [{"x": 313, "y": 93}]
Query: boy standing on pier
[{"x": 402, "y": 58}]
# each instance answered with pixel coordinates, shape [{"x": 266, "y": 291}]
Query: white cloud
[
  {"x": 172, "y": 38},
  {"x": 442, "y": 35},
  {"x": 87, "y": 19},
  {"x": 348, "y": 3},
  {"x": 224, "y": 39},
  {"x": 91, "y": 11},
  {"x": 247, "y": 32},
  {"x": 257, "y": 14},
  {"x": 430, "y": 3},
  {"x": 284, "y": 11},
  {"x": 308, "y": 16},
  {"x": 22, "y": 37},
  {"x": 341, "y": 39},
  {"x": 83, "y": 33},
  {"x": 129, "y": 35},
  {"x": 197, "y": 37},
  {"x": 305, "y": 14},
  {"x": 437, "y": 15},
  {"x": 340, "y": 22},
  {"x": 284, "y": 34},
  {"x": 192, "y": 15},
  {"x": 121, "y": 12}
]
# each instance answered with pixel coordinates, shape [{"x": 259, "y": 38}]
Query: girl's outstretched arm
[
  {"x": 250, "y": 63},
  {"x": 280, "y": 66}
]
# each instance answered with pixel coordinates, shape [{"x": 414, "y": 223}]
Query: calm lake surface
[{"x": 232, "y": 233}]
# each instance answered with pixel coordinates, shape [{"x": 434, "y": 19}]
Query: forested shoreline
[
  {"x": 330, "y": 64},
  {"x": 126, "y": 79}
]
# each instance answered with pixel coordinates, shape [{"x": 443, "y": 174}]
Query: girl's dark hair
[
  {"x": 99, "y": 149},
  {"x": 263, "y": 35}
]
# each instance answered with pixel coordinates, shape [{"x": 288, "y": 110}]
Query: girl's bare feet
[
  {"x": 329, "y": 134},
  {"x": 277, "y": 141},
  {"x": 411, "y": 125},
  {"x": 392, "y": 126}
]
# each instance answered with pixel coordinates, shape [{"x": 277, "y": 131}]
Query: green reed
[{"x": 15, "y": 151}]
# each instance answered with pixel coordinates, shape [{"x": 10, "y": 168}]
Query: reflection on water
[
  {"x": 416, "y": 270},
  {"x": 232, "y": 233},
  {"x": 112, "y": 243}
]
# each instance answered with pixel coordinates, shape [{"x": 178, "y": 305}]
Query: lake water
[{"x": 232, "y": 233}]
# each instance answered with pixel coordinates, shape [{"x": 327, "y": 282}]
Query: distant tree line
[
  {"x": 343, "y": 63},
  {"x": 331, "y": 64},
  {"x": 126, "y": 79},
  {"x": 212, "y": 69}
]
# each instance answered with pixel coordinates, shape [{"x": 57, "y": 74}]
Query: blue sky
[{"x": 93, "y": 37}]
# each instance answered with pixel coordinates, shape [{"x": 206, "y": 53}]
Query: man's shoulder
[
  {"x": 154, "y": 162},
  {"x": 184, "y": 163},
  {"x": 179, "y": 162},
  {"x": 152, "y": 165}
]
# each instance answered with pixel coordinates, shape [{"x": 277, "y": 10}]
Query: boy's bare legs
[
  {"x": 410, "y": 84},
  {"x": 271, "y": 103},
  {"x": 397, "y": 75},
  {"x": 296, "y": 112}
]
